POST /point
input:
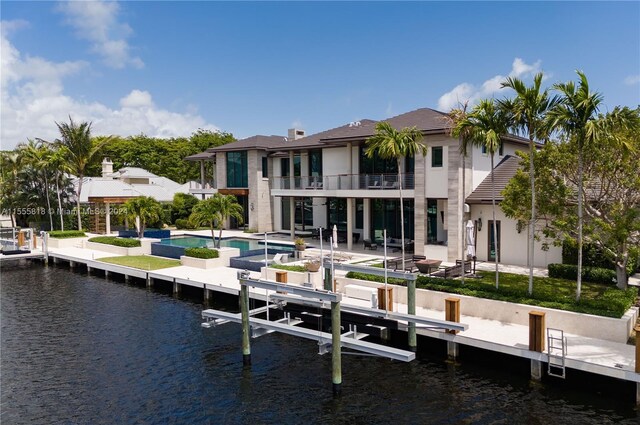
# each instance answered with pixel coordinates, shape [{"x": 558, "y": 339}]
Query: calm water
[
  {"x": 79, "y": 349},
  {"x": 201, "y": 241}
]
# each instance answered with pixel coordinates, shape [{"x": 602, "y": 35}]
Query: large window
[
  {"x": 284, "y": 166},
  {"x": 315, "y": 162},
  {"x": 436, "y": 157},
  {"x": 237, "y": 169},
  {"x": 385, "y": 214}
]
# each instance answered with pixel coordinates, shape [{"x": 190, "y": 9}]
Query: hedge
[
  {"x": 589, "y": 274},
  {"x": 301, "y": 269},
  {"x": 592, "y": 256},
  {"x": 113, "y": 240},
  {"x": 375, "y": 278},
  {"x": 183, "y": 223},
  {"x": 64, "y": 234},
  {"x": 205, "y": 253}
]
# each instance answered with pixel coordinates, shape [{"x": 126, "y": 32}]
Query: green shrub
[
  {"x": 63, "y": 234},
  {"x": 205, "y": 253},
  {"x": 113, "y": 240},
  {"x": 375, "y": 278},
  {"x": 289, "y": 268},
  {"x": 589, "y": 274},
  {"x": 183, "y": 223}
]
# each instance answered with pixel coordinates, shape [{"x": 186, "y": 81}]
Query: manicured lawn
[
  {"x": 596, "y": 298},
  {"x": 144, "y": 262},
  {"x": 599, "y": 299}
]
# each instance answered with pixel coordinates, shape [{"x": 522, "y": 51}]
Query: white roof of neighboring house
[
  {"x": 101, "y": 187},
  {"x": 157, "y": 192},
  {"x": 133, "y": 172},
  {"x": 112, "y": 186}
]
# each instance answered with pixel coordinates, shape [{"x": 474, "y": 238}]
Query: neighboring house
[
  {"x": 104, "y": 193},
  {"x": 512, "y": 239},
  {"x": 303, "y": 182}
]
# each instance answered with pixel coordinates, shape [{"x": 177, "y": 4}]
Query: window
[
  {"x": 315, "y": 162},
  {"x": 436, "y": 156},
  {"x": 237, "y": 169},
  {"x": 265, "y": 167},
  {"x": 500, "y": 149}
]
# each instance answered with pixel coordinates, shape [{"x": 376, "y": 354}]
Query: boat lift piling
[{"x": 351, "y": 339}]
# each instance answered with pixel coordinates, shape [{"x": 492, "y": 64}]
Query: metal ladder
[{"x": 557, "y": 351}]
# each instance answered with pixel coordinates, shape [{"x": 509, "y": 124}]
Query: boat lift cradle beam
[
  {"x": 347, "y": 340},
  {"x": 377, "y": 313}
]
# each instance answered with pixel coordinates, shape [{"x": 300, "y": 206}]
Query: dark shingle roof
[
  {"x": 425, "y": 119},
  {"x": 317, "y": 139},
  {"x": 253, "y": 142},
  {"x": 202, "y": 155},
  {"x": 503, "y": 172}
]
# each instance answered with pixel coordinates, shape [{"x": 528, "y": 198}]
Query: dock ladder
[{"x": 557, "y": 351}]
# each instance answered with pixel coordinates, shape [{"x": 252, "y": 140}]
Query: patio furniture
[{"x": 369, "y": 245}]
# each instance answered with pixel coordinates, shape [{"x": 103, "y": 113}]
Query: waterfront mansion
[{"x": 301, "y": 182}]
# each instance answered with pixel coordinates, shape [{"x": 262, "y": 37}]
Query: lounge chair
[
  {"x": 369, "y": 245},
  {"x": 280, "y": 258}
]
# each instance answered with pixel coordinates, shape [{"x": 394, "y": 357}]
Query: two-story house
[{"x": 299, "y": 182}]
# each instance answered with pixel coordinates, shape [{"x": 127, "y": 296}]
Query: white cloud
[
  {"x": 33, "y": 99},
  {"x": 632, "y": 80},
  {"x": 97, "y": 22},
  {"x": 467, "y": 92}
]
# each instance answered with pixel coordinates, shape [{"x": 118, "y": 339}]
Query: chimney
[
  {"x": 107, "y": 167},
  {"x": 295, "y": 133}
]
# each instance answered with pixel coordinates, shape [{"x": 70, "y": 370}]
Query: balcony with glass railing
[
  {"x": 197, "y": 188},
  {"x": 342, "y": 182}
]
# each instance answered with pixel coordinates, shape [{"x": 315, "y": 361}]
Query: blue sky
[{"x": 168, "y": 68}]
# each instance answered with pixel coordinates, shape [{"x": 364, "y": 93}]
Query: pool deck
[{"x": 596, "y": 356}]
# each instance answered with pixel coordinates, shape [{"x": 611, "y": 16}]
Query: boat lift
[{"x": 328, "y": 342}]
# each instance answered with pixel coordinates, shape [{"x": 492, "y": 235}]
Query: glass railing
[{"x": 344, "y": 182}]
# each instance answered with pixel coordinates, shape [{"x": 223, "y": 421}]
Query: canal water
[{"x": 80, "y": 349}]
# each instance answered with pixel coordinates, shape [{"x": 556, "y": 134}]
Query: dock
[{"x": 597, "y": 356}]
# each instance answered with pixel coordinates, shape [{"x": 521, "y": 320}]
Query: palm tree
[
  {"x": 81, "y": 149},
  {"x": 484, "y": 126},
  {"x": 58, "y": 163},
  {"x": 144, "y": 209},
  {"x": 529, "y": 110},
  {"x": 389, "y": 143},
  {"x": 576, "y": 116},
  {"x": 215, "y": 211},
  {"x": 36, "y": 154},
  {"x": 455, "y": 117},
  {"x": 11, "y": 164}
]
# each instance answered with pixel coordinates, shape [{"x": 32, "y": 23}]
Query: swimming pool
[{"x": 242, "y": 244}]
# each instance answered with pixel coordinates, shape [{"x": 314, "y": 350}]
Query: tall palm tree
[
  {"x": 215, "y": 211},
  {"x": 576, "y": 116},
  {"x": 389, "y": 143},
  {"x": 483, "y": 127},
  {"x": 11, "y": 164},
  {"x": 529, "y": 110},
  {"x": 36, "y": 154},
  {"x": 145, "y": 209},
  {"x": 455, "y": 117},
  {"x": 81, "y": 150}
]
